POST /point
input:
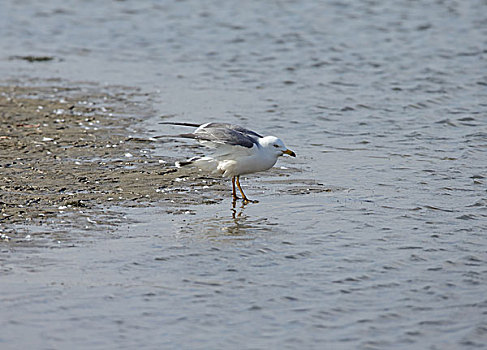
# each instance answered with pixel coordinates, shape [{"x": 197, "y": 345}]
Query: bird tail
[
  {"x": 206, "y": 164},
  {"x": 181, "y": 163},
  {"x": 186, "y": 136}
]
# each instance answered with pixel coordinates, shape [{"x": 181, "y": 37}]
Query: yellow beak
[{"x": 289, "y": 152}]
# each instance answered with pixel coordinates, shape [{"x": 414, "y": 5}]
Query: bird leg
[
  {"x": 244, "y": 197},
  {"x": 234, "y": 192}
]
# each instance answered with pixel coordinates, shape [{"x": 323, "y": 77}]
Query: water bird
[{"x": 236, "y": 151}]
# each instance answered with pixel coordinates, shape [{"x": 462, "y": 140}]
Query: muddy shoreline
[{"x": 72, "y": 155}]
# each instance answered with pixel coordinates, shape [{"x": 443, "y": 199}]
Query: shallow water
[{"x": 374, "y": 237}]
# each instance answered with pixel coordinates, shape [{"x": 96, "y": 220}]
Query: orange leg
[
  {"x": 245, "y": 199},
  {"x": 234, "y": 192}
]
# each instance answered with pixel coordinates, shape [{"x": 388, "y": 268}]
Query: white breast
[{"x": 247, "y": 164}]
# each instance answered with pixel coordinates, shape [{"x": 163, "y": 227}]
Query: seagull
[{"x": 236, "y": 151}]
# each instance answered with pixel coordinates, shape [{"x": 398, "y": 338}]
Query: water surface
[{"x": 374, "y": 237}]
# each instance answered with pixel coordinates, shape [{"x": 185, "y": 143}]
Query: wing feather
[{"x": 215, "y": 135}]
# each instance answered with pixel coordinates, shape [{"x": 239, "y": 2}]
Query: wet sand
[{"x": 71, "y": 152}]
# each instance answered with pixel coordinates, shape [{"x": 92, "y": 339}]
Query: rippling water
[{"x": 374, "y": 237}]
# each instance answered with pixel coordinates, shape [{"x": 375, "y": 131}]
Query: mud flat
[{"x": 71, "y": 157}]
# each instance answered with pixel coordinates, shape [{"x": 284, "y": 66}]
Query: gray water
[{"x": 372, "y": 238}]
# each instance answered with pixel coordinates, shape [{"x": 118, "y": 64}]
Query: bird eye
[{"x": 277, "y": 146}]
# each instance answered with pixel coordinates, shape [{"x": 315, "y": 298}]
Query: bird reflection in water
[
  {"x": 240, "y": 225},
  {"x": 236, "y": 214},
  {"x": 237, "y": 224}
]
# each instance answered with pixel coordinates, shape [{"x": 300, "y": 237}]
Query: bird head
[{"x": 276, "y": 146}]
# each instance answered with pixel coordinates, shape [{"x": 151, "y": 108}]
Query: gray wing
[
  {"x": 223, "y": 136},
  {"x": 219, "y": 133},
  {"x": 234, "y": 127}
]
